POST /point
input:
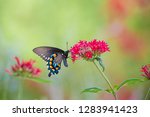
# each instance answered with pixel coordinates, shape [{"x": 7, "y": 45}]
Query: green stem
[
  {"x": 107, "y": 80},
  {"x": 147, "y": 94},
  {"x": 20, "y": 90},
  {"x": 6, "y": 83}
]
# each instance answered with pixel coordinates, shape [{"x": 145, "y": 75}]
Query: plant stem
[
  {"x": 107, "y": 80},
  {"x": 6, "y": 83},
  {"x": 20, "y": 90},
  {"x": 147, "y": 94}
]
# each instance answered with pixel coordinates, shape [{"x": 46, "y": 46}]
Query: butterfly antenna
[
  {"x": 67, "y": 45},
  {"x": 67, "y": 48}
]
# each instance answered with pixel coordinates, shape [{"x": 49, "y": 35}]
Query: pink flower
[
  {"x": 88, "y": 54},
  {"x": 24, "y": 68},
  {"x": 79, "y": 49},
  {"x": 98, "y": 46},
  {"x": 146, "y": 71},
  {"x": 88, "y": 50}
]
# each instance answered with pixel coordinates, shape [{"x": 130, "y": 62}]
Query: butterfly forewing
[{"x": 45, "y": 52}]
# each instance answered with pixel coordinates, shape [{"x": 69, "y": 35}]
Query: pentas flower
[
  {"x": 88, "y": 54},
  {"x": 88, "y": 50},
  {"x": 24, "y": 69},
  {"x": 98, "y": 46},
  {"x": 146, "y": 71}
]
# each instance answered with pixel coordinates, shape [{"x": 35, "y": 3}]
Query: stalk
[
  {"x": 20, "y": 90},
  {"x": 147, "y": 94},
  {"x": 107, "y": 80}
]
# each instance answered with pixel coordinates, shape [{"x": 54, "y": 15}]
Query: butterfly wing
[
  {"x": 53, "y": 56},
  {"x": 45, "y": 52}
]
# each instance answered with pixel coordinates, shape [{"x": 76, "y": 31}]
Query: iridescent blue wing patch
[{"x": 53, "y": 65}]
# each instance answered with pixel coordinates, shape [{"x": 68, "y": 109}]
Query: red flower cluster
[
  {"x": 24, "y": 68},
  {"x": 146, "y": 71},
  {"x": 88, "y": 50}
]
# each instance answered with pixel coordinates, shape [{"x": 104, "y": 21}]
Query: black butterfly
[{"x": 53, "y": 56}]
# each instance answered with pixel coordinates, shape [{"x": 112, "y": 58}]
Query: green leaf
[
  {"x": 98, "y": 58},
  {"x": 92, "y": 90},
  {"x": 40, "y": 80},
  {"x": 35, "y": 79},
  {"x": 101, "y": 64},
  {"x": 115, "y": 88},
  {"x": 108, "y": 91},
  {"x": 129, "y": 81}
]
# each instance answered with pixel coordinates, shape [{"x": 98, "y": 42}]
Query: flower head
[
  {"x": 24, "y": 68},
  {"x": 88, "y": 50},
  {"x": 146, "y": 71},
  {"x": 98, "y": 46}
]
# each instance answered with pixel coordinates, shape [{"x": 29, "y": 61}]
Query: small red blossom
[
  {"x": 146, "y": 71},
  {"x": 88, "y": 50},
  {"x": 24, "y": 68},
  {"x": 88, "y": 54}
]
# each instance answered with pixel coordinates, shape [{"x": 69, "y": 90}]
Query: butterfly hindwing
[
  {"x": 59, "y": 58},
  {"x": 53, "y": 56},
  {"x": 52, "y": 65}
]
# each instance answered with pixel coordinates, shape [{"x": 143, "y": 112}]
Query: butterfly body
[{"x": 53, "y": 56}]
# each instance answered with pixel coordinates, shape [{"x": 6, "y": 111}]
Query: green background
[{"x": 26, "y": 24}]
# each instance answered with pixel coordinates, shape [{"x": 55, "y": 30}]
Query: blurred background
[{"x": 123, "y": 24}]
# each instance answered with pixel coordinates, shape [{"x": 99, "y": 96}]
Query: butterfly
[{"x": 53, "y": 56}]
